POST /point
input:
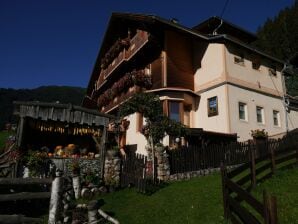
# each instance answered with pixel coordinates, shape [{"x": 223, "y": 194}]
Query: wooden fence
[
  {"x": 136, "y": 170},
  {"x": 194, "y": 158},
  {"x": 264, "y": 160},
  {"x": 23, "y": 197}
]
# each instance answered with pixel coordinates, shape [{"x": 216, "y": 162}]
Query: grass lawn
[
  {"x": 195, "y": 201},
  {"x": 283, "y": 185}
]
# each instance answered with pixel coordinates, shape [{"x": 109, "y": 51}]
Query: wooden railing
[
  {"x": 265, "y": 159},
  {"x": 136, "y": 43},
  {"x": 121, "y": 98},
  {"x": 117, "y": 61},
  {"x": 23, "y": 196}
]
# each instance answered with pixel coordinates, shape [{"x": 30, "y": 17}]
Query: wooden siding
[
  {"x": 179, "y": 61},
  {"x": 156, "y": 71}
]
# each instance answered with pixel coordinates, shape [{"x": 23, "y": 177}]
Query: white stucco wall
[
  {"x": 293, "y": 119},
  {"x": 253, "y": 99},
  {"x": 259, "y": 79},
  {"x": 212, "y": 66},
  {"x": 134, "y": 137},
  {"x": 217, "y": 123}
]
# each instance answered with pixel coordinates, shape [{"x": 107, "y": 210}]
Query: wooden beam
[
  {"x": 24, "y": 181},
  {"x": 25, "y": 196},
  {"x": 15, "y": 219}
]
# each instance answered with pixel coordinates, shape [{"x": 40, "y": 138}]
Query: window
[
  {"x": 242, "y": 111},
  {"x": 276, "y": 118},
  {"x": 174, "y": 110},
  {"x": 272, "y": 71},
  {"x": 239, "y": 60},
  {"x": 256, "y": 65},
  {"x": 260, "y": 115},
  {"x": 212, "y": 106}
]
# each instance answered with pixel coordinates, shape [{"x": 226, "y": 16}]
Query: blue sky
[{"x": 55, "y": 42}]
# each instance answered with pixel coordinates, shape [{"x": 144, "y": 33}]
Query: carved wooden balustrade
[{"x": 136, "y": 43}]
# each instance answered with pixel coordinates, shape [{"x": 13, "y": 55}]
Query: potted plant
[
  {"x": 75, "y": 167},
  {"x": 113, "y": 151},
  {"x": 159, "y": 147},
  {"x": 259, "y": 134},
  {"x": 36, "y": 163},
  {"x": 112, "y": 184}
]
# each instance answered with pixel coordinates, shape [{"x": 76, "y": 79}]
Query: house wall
[
  {"x": 135, "y": 137},
  {"x": 245, "y": 75},
  {"x": 209, "y": 65},
  {"x": 293, "y": 119},
  {"x": 156, "y": 72},
  {"x": 179, "y": 60},
  {"x": 253, "y": 99},
  {"x": 217, "y": 123}
]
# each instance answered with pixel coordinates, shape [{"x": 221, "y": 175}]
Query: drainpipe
[
  {"x": 215, "y": 31},
  {"x": 285, "y": 100}
]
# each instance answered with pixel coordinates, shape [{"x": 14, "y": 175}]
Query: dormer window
[
  {"x": 272, "y": 71},
  {"x": 256, "y": 65},
  {"x": 239, "y": 60}
]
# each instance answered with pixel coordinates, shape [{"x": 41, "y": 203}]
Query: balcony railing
[
  {"x": 116, "y": 62},
  {"x": 121, "y": 98},
  {"x": 136, "y": 43}
]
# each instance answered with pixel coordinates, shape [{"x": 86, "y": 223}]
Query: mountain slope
[{"x": 63, "y": 94}]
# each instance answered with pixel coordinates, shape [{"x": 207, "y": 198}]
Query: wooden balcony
[
  {"x": 119, "y": 99},
  {"x": 116, "y": 62},
  {"x": 136, "y": 43}
]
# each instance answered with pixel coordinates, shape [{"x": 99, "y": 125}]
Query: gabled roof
[
  {"x": 118, "y": 25},
  {"x": 219, "y": 26}
]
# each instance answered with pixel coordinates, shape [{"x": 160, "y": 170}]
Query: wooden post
[
  {"x": 270, "y": 209},
  {"x": 297, "y": 156},
  {"x": 93, "y": 206},
  {"x": 272, "y": 157},
  {"x": 224, "y": 189},
  {"x": 76, "y": 183},
  {"x": 252, "y": 165},
  {"x": 56, "y": 207},
  {"x": 103, "y": 151},
  {"x": 20, "y": 131},
  {"x": 107, "y": 217}
]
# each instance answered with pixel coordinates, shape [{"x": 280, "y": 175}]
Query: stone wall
[
  {"x": 192, "y": 174},
  {"x": 86, "y": 165},
  {"x": 112, "y": 170},
  {"x": 163, "y": 166}
]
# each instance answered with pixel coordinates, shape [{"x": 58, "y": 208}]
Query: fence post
[
  {"x": 252, "y": 164},
  {"x": 270, "y": 208},
  {"x": 297, "y": 155},
  {"x": 272, "y": 157},
  {"x": 56, "y": 206},
  {"x": 224, "y": 189}
]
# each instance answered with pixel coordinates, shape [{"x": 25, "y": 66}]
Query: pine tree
[{"x": 278, "y": 37}]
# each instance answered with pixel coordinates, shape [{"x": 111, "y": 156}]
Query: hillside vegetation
[
  {"x": 278, "y": 37},
  {"x": 63, "y": 94}
]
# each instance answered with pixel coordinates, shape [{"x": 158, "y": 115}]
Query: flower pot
[{"x": 112, "y": 153}]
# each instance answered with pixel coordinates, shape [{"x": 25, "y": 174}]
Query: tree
[
  {"x": 157, "y": 124},
  {"x": 278, "y": 37}
]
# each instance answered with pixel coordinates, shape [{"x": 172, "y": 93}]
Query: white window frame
[
  {"x": 239, "y": 60},
  {"x": 277, "y": 113},
  {"x": 262, "y": 114},
  {"x": 256, "y": 65},
  {"x": 245, "y": 111}
]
